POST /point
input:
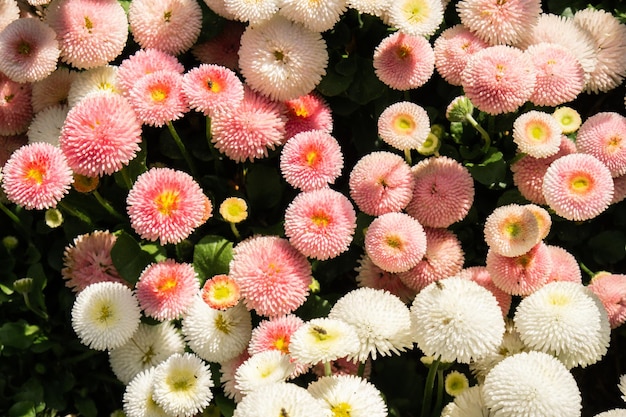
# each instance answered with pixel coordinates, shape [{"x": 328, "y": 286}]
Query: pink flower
[
  {"x": 512, "y": 230},
  {"x": 91, "y": 33},
  {"x": 611, "y": 290},
  {"x": 16, "y": 111},
  {"x": 166, "y": 289},
  {"x": 171, "y": 26},
  {"x": 311, "y": 160},
  {"x": 564, "y": 266},
  {"x": 537, "y": 134},
  {"x": 619, "y": 193},
  {"x": 403, "y": 61},
  {"x": 578, "y": 186},
  {"x": 222, "y": 49},
  {"x": 395, "y": 242},
  {"x": 320, "y": 223},
  {"x": 101, "y": 134},
  {"x": 308, "y": 112},
  {"x": 381, "y": 182},
  {"x": 167, "y": 204},
  {"x": 452, "y": 50},
  {"x": 36, "y": 176},
  {"x": 213, "y": 88},
  {"x": 144, "y": 62},
  {"x": 221, "y": 292},
  {"x": 274, "y": 277},
  {"x": 158, "y": 98},
  {"x": 404, "y": 125},
  {"x": 603, "y": 135},
  {"x": 499, "y": 79},
  {"x": 480, "y": 275},
  {"x": 443, "y": 192},
  {"x": 371, "y": 276}
]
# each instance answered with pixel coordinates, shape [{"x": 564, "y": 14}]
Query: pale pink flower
[
  {"x": 603, "y": 135},
  {"x": 158, "y": 98},
  {"x": 564, "y": 266},
  {"x": 512, "y": 230},
  {"x": 371, "y": 276},
  {"x": 213, "y": 88},
  {"x": 404, "y": 125},
  {"x": 222, "y": 49},
  {"x": 452, "y": 50},
  {"x": 221, "y": 292},
  {"x": 16, "y": 111},
  {"x": 307, "y": 112},
  {"x": 611, "y": 290},
  {"x": 144, "y": 62},
  {"x": 537, "y": 134}
]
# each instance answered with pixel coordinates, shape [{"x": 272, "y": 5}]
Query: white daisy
[
  {"x": 323, "y": 340},
  {"x": 349, "y": 395},
  {"x": 469, "y": 403},
  {"x": 46, "y": 125},
  {"x": 138, "y": 400},
  {"x": 105, "y": 315},
  {"x": 254, "y": 12},
  {"x": 319, "y": 16},
  {"x": 280, "y": 400},
  {"x": 263, "y": 368},
  {"x": 99, "y": 80},
  {"x": 622, "y": 386},
  {"x": 416, "y": 17},
  {"x": 374, "y": 7},
  {"x": 616, "y": 412}
]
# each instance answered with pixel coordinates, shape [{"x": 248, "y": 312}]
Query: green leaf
[
  {"x": 491, "y": 171},
  {"x": 18, "y": 334},
  {"x": 263, "y": 186},
  {"x": 366, "y": 86},
  {"x": 212, "y": 256},
  {"x": 608, "y": 247},
  {"x": 136, "y": 167},
  {"x": 128, "y": 257},
  {"x": 225, "y": 405},
  {"x": 333, "y": 83},
  {"x": 86, "y": 407},
  {"x": 23, "y": 409}
]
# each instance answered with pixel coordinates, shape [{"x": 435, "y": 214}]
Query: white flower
[
  {"x": 267, "y": 367},
  {"x": 281, "y": 399},
  {"x": 416, "y": 17},
  {"x": 349, "y": 395},
  {"x": 374, "y": 7},
  {"x": 616, "y": 412},
  {"x": 319, "y": 16},
  {"x": 99, "y": 80},
  {"x": 622, "y": 386},
  {"x": 255, "y": 12},
  {"x": 46, "y": 125},
  {"x": 469, "y": 403},
  {"x": 323, "y": 340},
  {"x": 138, "y": 400}
]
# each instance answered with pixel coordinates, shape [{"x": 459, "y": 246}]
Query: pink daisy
[
  {"x": 36, "y": 176},
  {"x": 578, "y": 186},
  {"x": 537, "y": 134},
  {"x": 249, "y": 131},
  {"x": 212, "y": 88},
  {"x": 166, "y": 289},
  {"x": 221, "y": 292},
  {"x": 320, "y": 223},
  {"x": 8, "y": 145},
  {"x": 381, "y": 182},
  {"x": 512, "y": 230},
  {"x": 611, "y": 290},
  {"x": 452, "y": 50},
  {"x": 403, "y": 61},
  {"x": 499, "y": 79},
  {"x": 499, "y": 22},
  {"x": 404, "y": 125},
  {"x": 395, "y": 242},
  {"x": 443, "y": 192},
  {"x": 311, "y": 160},
  {"x": 171, "y": 26},
  {"x": 87, "y": 260},
  {"x": 560, "y": 76},
  {"x": 222, "y": 49},
  {"x": 9, "y": 11},
  {"x": 520, "y": 275},
  {"x": 274, "y": 277},
  {"x": 166, "y": 204},
  {"x": 544, "y": 220},
  {"x": 144, "y": 62},
  {"x": 528, "y": 171},
  {"x": 101, "y": 134},
  {"x": 16, "y": 111},
  {"x": 28, "y": 50},
  {"x": 158, "y": 98},
  {"x": 52, "y": 90},
  {"x": 371, "y": 276},
  {"x": 308, "y": 112},
  {"x": 565, "y": 266},
  {"x": 619, "y": 193},
  {"x": 480, "y": 275},
  {"x": 444, "y": 258},
  {"x": 603, "y": 135},
  {"x": 91, "y": 33},
  {"x": 227, "y": 376}
]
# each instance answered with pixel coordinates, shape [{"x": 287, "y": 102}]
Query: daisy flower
[
  {"x": 213, "y": 88},
  {"x": 320, "y": 223},
  {"x": 221, "y": 292},
  {"x": 323, "y": 340},
  {"x": 274, "y": 277},
  {"x": 274, "y": 334},
  {"x": 137, "y": 400},
  {"x": 537, "y": 134},
  {"x": 404, "y": 125},
  {"x": 316, "y": 16},
  {"x": 219, "y": 8},
  {"x": 349, "y": 395},
  {"x": 415, "y": 17},
  {"x": 456, "y": 383},
  {"x": 311, "y": 160},
  {"x": 144, "y": 62},
  {"x": 28, "y": 50},
  {"x": 166, "y": 289},
  {"x": 227, "y": 376},
  {"x": 381, "y": 182},
  {"x": 16, "y": 111},
  {"x": 36, "y": 176},
  {"x": 182, "y": 385},
  {"x": 171, "y": 26},
  {"x": 281, "y": 59},
  {"x": 255, "y": 13},
  {"x": 481, "y": 276},
  {"x": 395, "y": 242},
  {"x": 99, "y": 80},
  {"x": 568, "y": 118},
  {"x": 87, "y": 260},
  {"x": 443, "y": 192},
  {"x": 91, "y": 33},
  {"x": 9, "y": 11},
  {"x": 307, "y": 112},
  {"x": 404, "y": 62},
  {"x": 457, "y": 320},
  {"x": 47, "y": 124},
  {"x": 512, "y": 230},
  {"x": 564, "y": 266},
  {"x": 166, "y": 204},
  {"x": 52, "y": 90},
  {"x": 470, "y": 402},
  {"x": 376, "y": 8},
  {"x": 105, "y": 315},
  {"x": 223, "y": 48},
  {"x": 603, "y": 135},
  {"x": 263, "y": 368},
  {"x": 158, "y": 98},
  {"x": 280, "y": 399},
  {"x": 616, "y": 412},
  {"x": 371, "y": 276},
  {"x": 578, "y": 186},
  {"x": 382, "y": 321},
  {"x": 452, "y": 49},
  {"x": 234, "y": 210},
  {"x": 610, "y": 289}
]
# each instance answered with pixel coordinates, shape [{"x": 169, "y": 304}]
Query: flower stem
[
  {"x": 182, "y": 148},
  {"x": 37, "y": 311},
  {"x": 11, "y": 215},
  {"x": 361, "y": 370},
  {"x": 407, "y": 157},
  {"x": 81, "y": 216},
  {"x": 480, "y": 129},
  {"x": 439, "y": 398},
  {"x": 233, "y": 227},
  {"x": 586, "y": 270},
  {"x": 107, "y": 206},
  {"x": 126, "y": 177},
  {"x": 428, "y": 387},
  {"x": 327, "y": 369}
]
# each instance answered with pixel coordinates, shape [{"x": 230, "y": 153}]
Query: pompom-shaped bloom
[
  {"x": 404, "y": 125},
  {"x": 320, "y": 223},
  {"x": 381, "y": 182},
  {"x": 523, "y": 274},
  {"x": 616, "y": 412},
  {"x": 221, "y": 292},
  {"x": 52, "y": 90},
  {"x": 16, "y": 111},
  {"x": 382, "y": 321},
  {"x": 531, "y": 384},
  {"x": 166, "y": 204},
  {"x": 105, "y": 315},
  {"x": 28, "y": 50},
  {"x": 470, "y": 402},
  {"x": 281, "y": 59},
  {"x": 36, "y": 176},
  {"x": 349, "y": 395},
  {"x": 99, "y": 80},
  {"x": 158, "y": 98},
  {"x": 182, "y": 385},
  {"x": 274, "y": 277},
  {"x": 212, "y": 88},
  {"x": 166, "y": 289},
  {"x": 499, "y": 79},
  {"x": 443, "y": 192},
  {"x": 324, "y": 340},
  {"x": 138, "y": 400},
  {"x": 234, "y": 210},
  {"x": 453, "y": 48},
  {"x": 481, "y": 276},
  {"x": 221, "y": 49},
  {"x": 568, "y": 118},
  {"x": 537, "y": 134},
  {"x": 603, "y": 135},
  {"x": 171, "y": 26},
  {"x": 311, "y": 160},
  {"x": 307, "y": 112},
  {"x": 280, "y": 399},
  {"x": 564, "y": 266},
  {"x": 578, "y": 186},
  {"x": 498, "y": 22},
  {"x": 261, "y": 369},
  {"x": 457, "y": 320},
  {"x": 610, "y": 289},
  {"x": 319, "y": 16},
  {"x": 249, "y": 131},
  {"x": 374, "y": 7},
  {"x": 274, "y": 334},
  {"x": 560, "y": 76},
  {"x": 512, "y": 230},
  {"x": 101, "y": 134},
  {"x": 90, "y": 33},
  {"x": 9, "y": 11},
  {"x": 564, "y": 319},
  {"x": 415, "y": 17},
  {"x": 144, "y": 62},
  {"x": 395, "y": 242},
  {"x": 253, "y": 12},
  {"x": 403, "y": 61},
  {"x": 47, "y": 124},
  {"x": 87, "y": 260},
  {"x": 371, "y": 276}
]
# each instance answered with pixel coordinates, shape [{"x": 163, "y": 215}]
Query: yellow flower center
[
  {"x": 558, "y": 299},
  {"x": 36, "y": 174},
  {"x": 24, "y": 48},
  {"x": 394, "y": 242},
  {"x": 167, "y": 202},
  {"x": 321, "y": 219},
  {"x": 614, "y": 144},
  {"x": 181, "y": 381},
  {"x": 513, "y": 229},
  {"x": 167, "y": 284},
  {"x": 580, "y": 184},
  {"x": 214, "y": 86},
  {"x": 105, "y": 314},
  {"x": 158, "y": 94},
  {"x": 300, "y": 110},
  {"x": 88, "y": 24},
  {"x": 282, "y": 344},
  {"x": 404, "y": 124},
  {"x": 536, "y": 131},
  {"x": 222, "y": 324},
  {"x": 342, "y": 410},
  {"x": 167, "y": 16},
  {"x": 311, "y": 158},
  {"x": 403, "y": 51}
]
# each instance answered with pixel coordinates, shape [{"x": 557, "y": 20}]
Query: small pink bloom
[
  {"x": 16, "y": 110},
  {"x": 212, "y": 88},
  {"x": 144, "y": 62},
  {"x": 537, "y": 134},
  {"x": 565, "y": 266},
  {"x": 452, "y": 49},
  {"x": 371, "y": 276},
  {"x": 308, "y": 112},
  {"x": 603, "y": 135},
  {"x": 404, "y": 125},
  {"x": 611, "y": 290},
  {"x": 158, "y": 98},
  {"x": 221, "y": 292}
]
